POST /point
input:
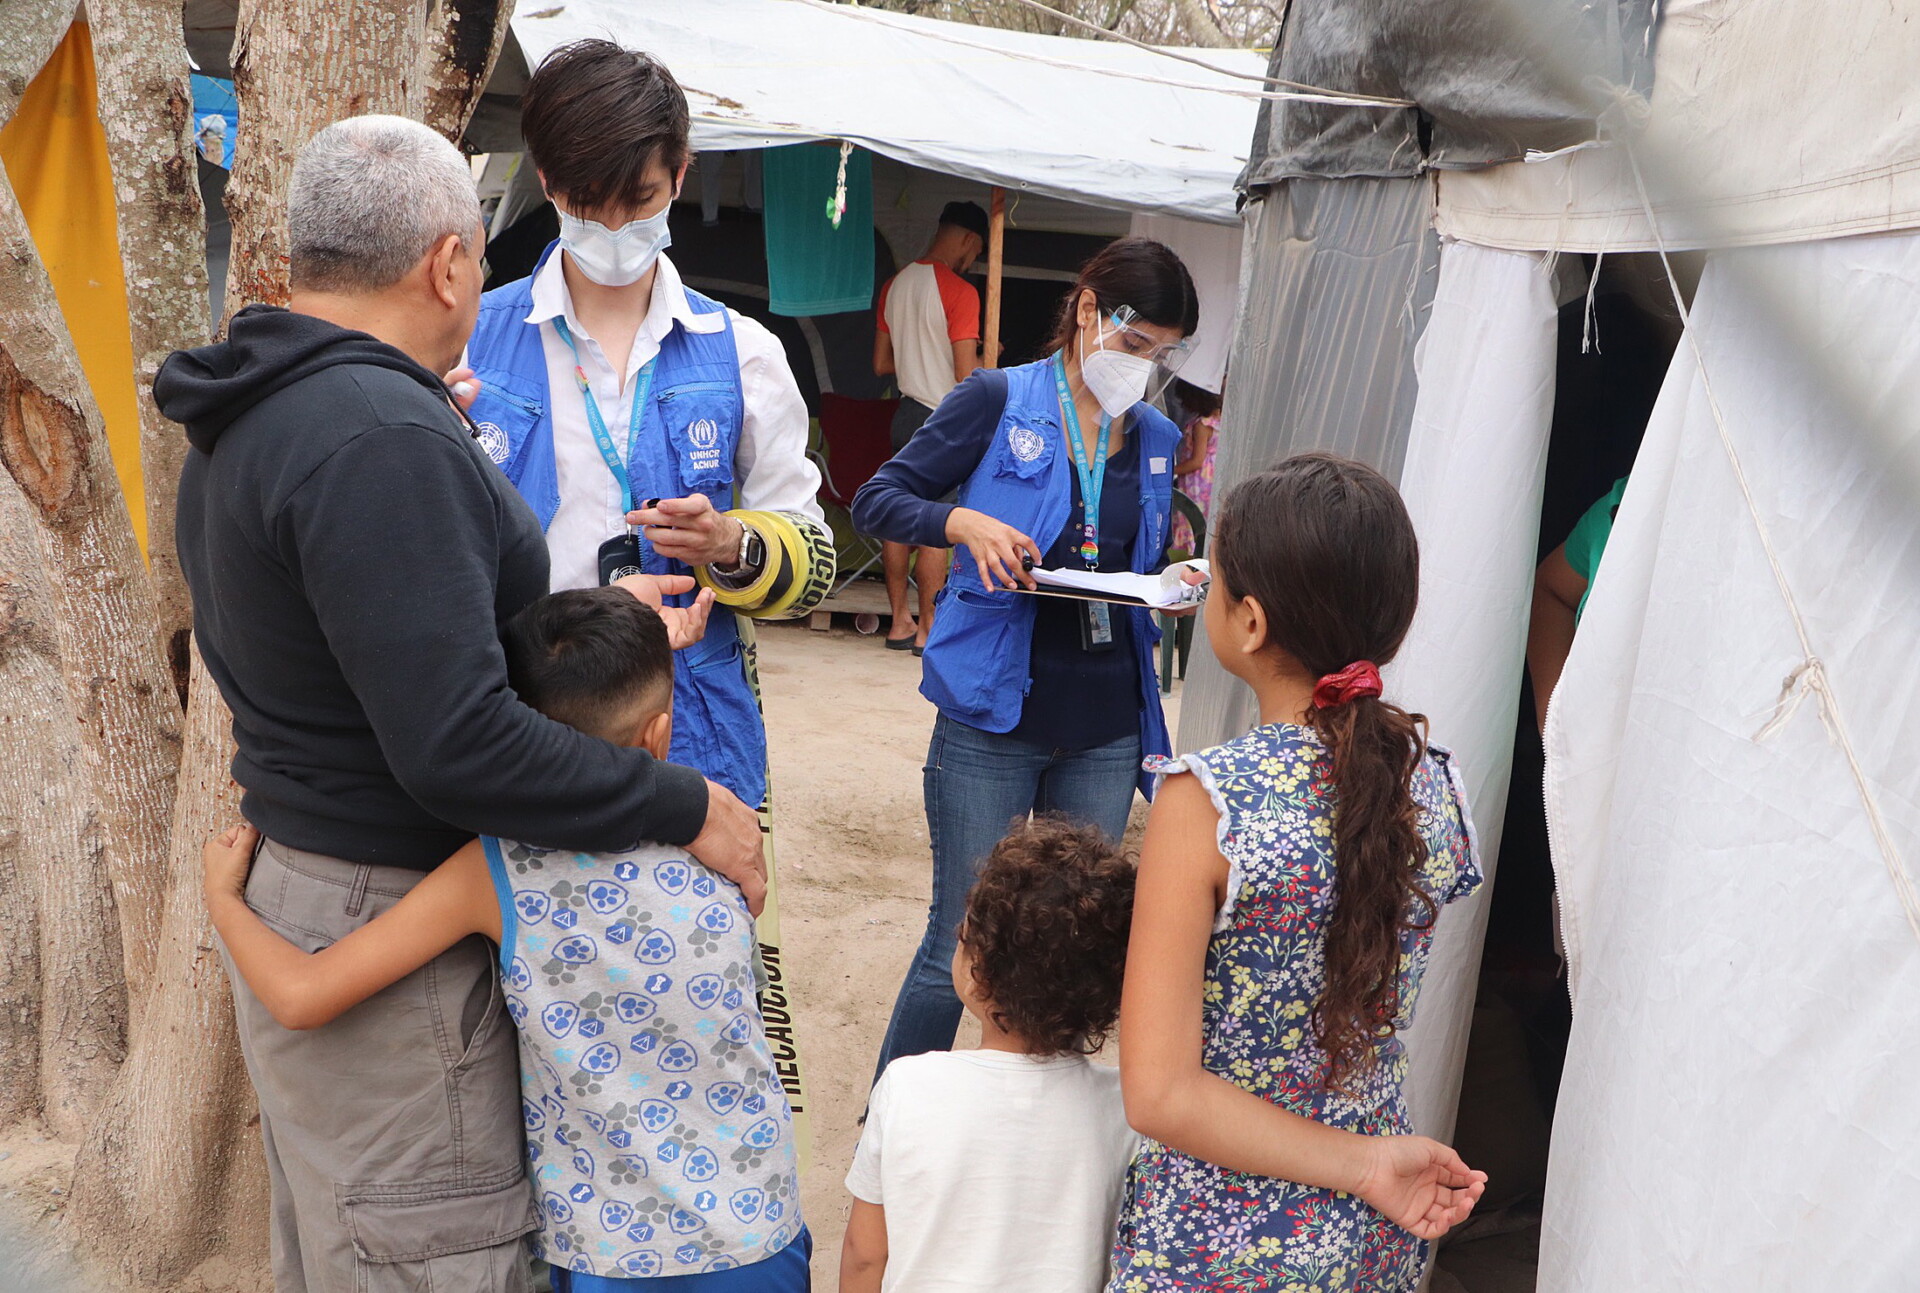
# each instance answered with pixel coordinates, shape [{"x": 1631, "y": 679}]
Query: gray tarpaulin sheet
[
  {"x": 1335, "y": 283},
  {"x": 1478, "y": 69}
]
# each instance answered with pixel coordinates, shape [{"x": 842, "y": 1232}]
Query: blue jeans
[{"x": 977, "y": 784}]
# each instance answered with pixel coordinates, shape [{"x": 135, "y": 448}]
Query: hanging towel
[{"x": 812, "y": 267}]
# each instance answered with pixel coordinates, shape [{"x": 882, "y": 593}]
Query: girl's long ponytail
[
  {"x": 1326, "y": 547},
  {"x": 1375, "y": 747}
]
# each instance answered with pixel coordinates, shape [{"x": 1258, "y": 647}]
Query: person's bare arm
[
  {"x": 1193, "y": 447},
  {"x": 1557, "y": 590},
  {"x": 863, "y": 1253},
  {"x": 305, "y": 990},
  {"x": 882, "y": 354},
  {"x": 966, "y": 358},
  {"x": 1415, "y": 1182}
]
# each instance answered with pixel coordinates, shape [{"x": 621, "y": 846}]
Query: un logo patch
[
  {"x": 493, "y": 442},
  {"x": 1026, "y": 443},
  {"x": 704, "y": 433}
]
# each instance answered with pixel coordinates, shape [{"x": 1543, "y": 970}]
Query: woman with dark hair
[
  {"x": 1045, "y": 704},
  {"x": 1287, "y": 894}
]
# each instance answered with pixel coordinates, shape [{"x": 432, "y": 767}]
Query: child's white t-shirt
[{"x": 998, "y": 1171}]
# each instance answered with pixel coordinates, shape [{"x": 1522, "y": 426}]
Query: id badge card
[
  {"x": 619, "y": 557},
  {"x": 1096, "y": 626}
]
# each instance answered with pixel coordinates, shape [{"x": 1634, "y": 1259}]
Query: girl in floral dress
[
  {"x": 1288, "y": 887},
  {"x": 1193, "y": 472}
]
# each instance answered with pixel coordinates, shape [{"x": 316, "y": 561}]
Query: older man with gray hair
[{"x": 352, "y": 555}]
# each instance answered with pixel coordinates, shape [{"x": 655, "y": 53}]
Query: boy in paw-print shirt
[{"x": 659, "y": 1139}]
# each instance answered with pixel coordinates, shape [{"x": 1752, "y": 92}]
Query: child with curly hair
[
  {"x": 1289, "y": 884},
  {"x": 1001, "y": 1168}
]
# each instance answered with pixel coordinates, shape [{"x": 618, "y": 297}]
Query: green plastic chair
[{"x": 1176, "y": 633}]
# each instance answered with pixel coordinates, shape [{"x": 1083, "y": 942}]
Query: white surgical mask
[
  {"x": 615, "y": 257},
  {"x": 1118, "y": 380}
]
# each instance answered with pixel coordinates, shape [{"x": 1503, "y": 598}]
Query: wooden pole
[{"x": 996, "y": 243}]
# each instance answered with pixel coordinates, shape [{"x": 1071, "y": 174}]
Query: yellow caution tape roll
[{"x": 797, "y": 573}]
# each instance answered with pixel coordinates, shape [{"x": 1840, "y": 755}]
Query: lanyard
[
  {"x": 598, "y": 423},
  {"x": 1093, "y": 479}
]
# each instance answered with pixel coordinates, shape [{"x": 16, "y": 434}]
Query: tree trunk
[
  {"x": 30, "y": 30},
  {"x": 463, "y": 43},
  {"x": 146, "y": 106},
  {"x": 54, "y": 445},
  {"x": 299, "y": 65},
  {"x": 60, "y": 971},
  {"x": 172, "y": 1175},
  {"x": 171, "y": 1169}
]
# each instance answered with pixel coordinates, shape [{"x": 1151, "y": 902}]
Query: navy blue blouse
[{"x": 1077, "y": 699}]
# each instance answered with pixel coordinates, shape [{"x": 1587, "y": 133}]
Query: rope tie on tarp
[{"x": 1809, "y": 677}]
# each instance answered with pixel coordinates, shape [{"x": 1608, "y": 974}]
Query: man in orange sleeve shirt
[{"x": 927, "y": 337}]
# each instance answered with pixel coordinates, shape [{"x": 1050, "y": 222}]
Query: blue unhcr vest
[
  {"x": 976, "y": 663},
  {"x": 689, "y": 434}
]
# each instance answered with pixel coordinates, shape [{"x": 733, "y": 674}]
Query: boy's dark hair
[
  {"x": 1046, "y": 928},
  {"x": 595, "y": 115},
  {"x": 584, "y": 656},
  {"x": 1325, "y": 545}
]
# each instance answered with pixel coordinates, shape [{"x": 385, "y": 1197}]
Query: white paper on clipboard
[{"x": 1161, "y": 592}]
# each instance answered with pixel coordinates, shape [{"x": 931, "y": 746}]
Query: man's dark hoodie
[{"x": 353, "y": 557}]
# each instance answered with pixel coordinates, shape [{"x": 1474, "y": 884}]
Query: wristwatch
[{"x": 752, "y": 555}]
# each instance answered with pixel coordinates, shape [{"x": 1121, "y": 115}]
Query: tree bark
[
  {"x": 54, "y": 445},
  {"x": 463, "y": 43},
  {"x": 146, "y": 106},
  {"x": 64, "y": 1029},
  {"x": 171, "y": 1168},
  {"x": 30, "y": 30},
  {"x": 299, "y": 65},
  {"x": 1202, "y": 27},
  {"x": 171, "y": 1174}
]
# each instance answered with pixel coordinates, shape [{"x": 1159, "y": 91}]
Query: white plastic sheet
[
  {"x": 1771, "y": 121},
  {"x": 1211, "y": 253},
  {"x": 1085, "y": 120},
  {"x": 1475, "y": 467},
  {"x": 1739, "y": 1110}
]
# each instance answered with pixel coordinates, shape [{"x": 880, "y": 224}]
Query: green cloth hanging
[{"x": 812, "y": 267}]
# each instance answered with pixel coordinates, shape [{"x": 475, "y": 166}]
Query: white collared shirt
[{"x": 771, "y": 468}]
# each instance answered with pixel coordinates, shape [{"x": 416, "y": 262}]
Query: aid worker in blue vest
[
  {"x": 1046, "y": 704},
  {"x": 632, "y": 412}
]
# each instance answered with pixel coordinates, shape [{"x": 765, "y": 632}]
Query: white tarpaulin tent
[
  {"x": 1737, "y": 893},
  {"x": 1151, "y": 134},
  {"x": 1793, "y": 120}
]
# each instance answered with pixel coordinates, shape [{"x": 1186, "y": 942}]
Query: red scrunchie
[{"x": 1358, "y": 679}]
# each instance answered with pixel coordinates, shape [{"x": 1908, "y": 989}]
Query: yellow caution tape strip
[{"x": 795, "y": 577}]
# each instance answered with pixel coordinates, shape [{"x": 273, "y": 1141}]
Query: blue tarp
[{"x": 213, "y": 97}]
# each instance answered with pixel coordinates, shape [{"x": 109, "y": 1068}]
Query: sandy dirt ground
[{"x": 848, "y": 731}]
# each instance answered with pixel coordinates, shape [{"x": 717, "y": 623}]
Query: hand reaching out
[
  {"x": 1419, "y": 1184},
  {"x": 685, "y": 626}
]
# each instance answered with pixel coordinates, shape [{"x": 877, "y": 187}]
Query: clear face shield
[{"x": 1121, "y": 333}]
